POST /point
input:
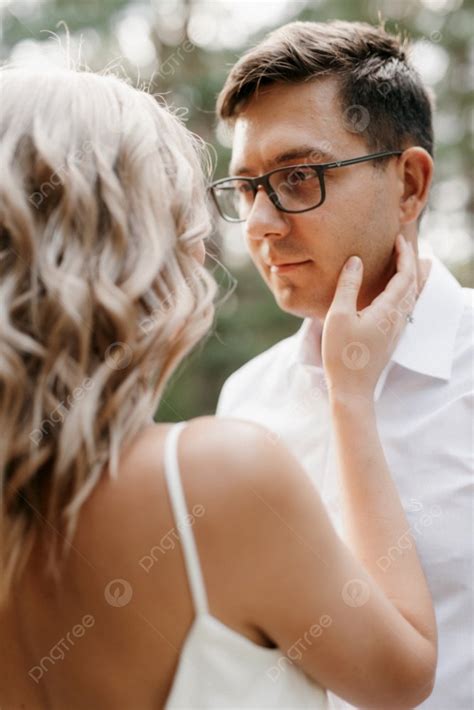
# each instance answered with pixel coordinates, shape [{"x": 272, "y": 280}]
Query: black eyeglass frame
[{"x": 264, "y": 180}]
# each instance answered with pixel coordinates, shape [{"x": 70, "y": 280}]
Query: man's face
[{"x": 302, "y": 123}]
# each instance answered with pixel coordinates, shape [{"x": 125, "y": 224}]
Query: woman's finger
[
  {"x": 348, "y": 286},
  {"x": 401, "y": 290},
  {"x": 405, "y": 278}
]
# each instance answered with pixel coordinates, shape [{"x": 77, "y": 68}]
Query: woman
[{"x": 142, "y": 570}]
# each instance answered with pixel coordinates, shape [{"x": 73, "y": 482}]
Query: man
[{"x": 312, "y": 94}]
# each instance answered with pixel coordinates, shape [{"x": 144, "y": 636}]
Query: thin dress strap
[{"x": 183, "y": 520}]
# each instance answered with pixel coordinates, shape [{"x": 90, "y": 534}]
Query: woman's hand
[{"x": 356, "y": 345}]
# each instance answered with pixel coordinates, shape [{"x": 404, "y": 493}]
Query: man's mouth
[{"x": 281, "y": 268}]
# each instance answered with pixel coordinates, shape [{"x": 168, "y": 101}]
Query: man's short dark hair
[{"x": 372, "y": 69}]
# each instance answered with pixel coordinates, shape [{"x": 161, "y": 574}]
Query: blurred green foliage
[{"x": 190, "y": 76}]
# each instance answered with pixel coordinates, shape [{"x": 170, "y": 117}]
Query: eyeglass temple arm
[{"x": 360, "y": 159}]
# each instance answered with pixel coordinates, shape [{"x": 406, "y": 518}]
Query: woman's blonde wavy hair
[{"x": 102, "y": 204}]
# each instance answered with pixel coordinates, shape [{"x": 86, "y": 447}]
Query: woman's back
[{"x": 112, "y": 634}]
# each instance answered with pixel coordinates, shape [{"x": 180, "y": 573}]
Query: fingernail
[{"x": 353, "y": 264}]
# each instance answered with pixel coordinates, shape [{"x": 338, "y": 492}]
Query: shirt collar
[
  {"x": 307, "y": 350},
  {"x": 426, "y": 346}
]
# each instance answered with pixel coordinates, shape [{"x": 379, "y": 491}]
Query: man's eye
[
  {"x": 244, "y": 188},
  {"x": 301, "y": 175}
]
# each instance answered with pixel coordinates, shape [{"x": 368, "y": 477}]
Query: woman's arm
[
  {"x": 374, "y": 517},
  {"x": 272, "y": 550},
  {"x": 373, "y": 514}
]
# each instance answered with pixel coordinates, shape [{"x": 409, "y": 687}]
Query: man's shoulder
[{"x": 260, "y": 369}]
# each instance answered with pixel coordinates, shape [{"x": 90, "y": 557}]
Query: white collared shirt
[{"x": 424, "y": 404}]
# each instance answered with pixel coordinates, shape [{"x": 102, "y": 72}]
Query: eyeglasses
[{"x": 295, "y": 188}]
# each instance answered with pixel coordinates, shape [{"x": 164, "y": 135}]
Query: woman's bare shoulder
[
  {"x": 225, "y": 466},
  {"x": 225, "y": 456},
  {"x": 219, "y": 458},
  {"x": 232, "y": 472}
]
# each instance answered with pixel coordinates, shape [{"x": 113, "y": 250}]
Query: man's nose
[{"x": 264, "y": 219}]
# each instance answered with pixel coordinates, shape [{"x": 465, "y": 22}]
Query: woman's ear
[{"x": 415, "y": 171}]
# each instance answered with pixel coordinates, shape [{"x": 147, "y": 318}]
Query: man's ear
[{"x": 415, "y": 172}]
